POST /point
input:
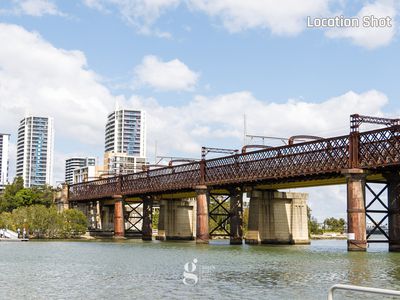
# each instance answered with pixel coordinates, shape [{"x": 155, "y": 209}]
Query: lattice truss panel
[
  {"x": 380, "y": 148},
  {"x": 169, "y": 178},
  {"x": 323, "y": 156},
  {"x": 94, "y": 189}
]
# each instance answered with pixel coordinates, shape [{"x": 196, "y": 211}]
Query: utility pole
[
  {"x": 244, "y": 129},
  {"x": 155, "y": 152}
]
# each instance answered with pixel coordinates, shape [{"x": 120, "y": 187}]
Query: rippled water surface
[{"x": 154, "y": 270}]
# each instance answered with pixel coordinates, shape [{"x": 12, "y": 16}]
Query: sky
[{"x": 196, "y": 67}]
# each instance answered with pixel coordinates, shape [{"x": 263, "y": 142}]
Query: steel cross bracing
[
  {"x": 219, "y": 215},
  {"x": 133, "y": 216},
  {"x": 375, "y": 151},
  {"x": 376, "y": 216}
]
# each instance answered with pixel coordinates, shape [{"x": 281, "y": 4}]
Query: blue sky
[{"x": 196, "y": 67}]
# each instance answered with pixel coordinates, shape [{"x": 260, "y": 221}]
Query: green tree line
[
  {"x": 33, "y": 209},
  {"x": 329, "y": 224}
]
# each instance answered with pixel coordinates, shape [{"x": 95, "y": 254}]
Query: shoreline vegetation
[
  {"x": 33, "y": 209},
  {"x": 329, "y": 236}
]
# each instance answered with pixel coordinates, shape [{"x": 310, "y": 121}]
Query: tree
[
  {"x": 34, "y": 195},
  {"x": 333, "y": 224},
  {"x": 245, "y": 220},
  {"x": 155, "y": 218},
  {"x": 39, "y": 220},
  {"x": 6, "y": 220},
  {"x": 313, "y": 226},
  {"x": 15, "y": 195},
  {"x": 75, "y": 223},
  {"x": 7, "y": 199}
]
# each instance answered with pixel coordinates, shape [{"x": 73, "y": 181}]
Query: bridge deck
[{"x": 307, "y": 164}]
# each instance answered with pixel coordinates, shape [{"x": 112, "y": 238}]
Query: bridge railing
[
  {"x": 369, "y": 150},
  {"x": 315, "y": 157},
  {"x": 379, "y": 148},
  {"x": 94, "y": 189},
  {"x": 169, "y": 178}
]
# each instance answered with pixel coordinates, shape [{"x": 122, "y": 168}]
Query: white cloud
[
  {"x": 218, "y": 121},
  {"x": 172, "y": 75},
  {"x": 39, "y": 79},
  {"x": 142, "y": 14},
  {"x": 36, "y": 8},
  {"x": 370, "y": 37},
  {"x": 95, "y": 4},
  {"x": 286, "y": 18},
  {"x": 326, "y": 201}
]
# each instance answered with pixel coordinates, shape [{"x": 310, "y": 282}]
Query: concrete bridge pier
[
  {"x": 277, "y": 218},
  {"x": 177, "y": 219},
  {"x": 253, "y": 233},
  {"x": 202, "y": 233},
  {"x": 356, "y": 215},
  {"x": 161, "y": 221},
  {"x": 119, "y": 221},
  {"x": 393, "y": 182},
  {"x": 92, "y": 213},
  {"x": 147, "y": 228},
  {"x": 236, "y": 218}
]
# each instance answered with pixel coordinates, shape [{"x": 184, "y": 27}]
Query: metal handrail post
[{"x": 362, "y": 289}]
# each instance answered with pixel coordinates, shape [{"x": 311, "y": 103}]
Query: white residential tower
[
  {"x": 35, "y": 147},
  {"x": 4, "y": 160}
]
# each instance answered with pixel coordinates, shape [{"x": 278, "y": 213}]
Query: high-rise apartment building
[
  {"x": 122, "y": 163},
  {"x": 4, "y": 161},
  {"x": 35, "y": 147},
  {"x": 126, "y": 132},
  {"x": 74, "y": 163},
  {"x": 125, "y": 143}
]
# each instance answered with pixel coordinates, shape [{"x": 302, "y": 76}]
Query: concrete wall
[
  {"x": 177, "y": 219},
  {"x": 277, "y": 217},
  {"x": 107, "y": 218}
]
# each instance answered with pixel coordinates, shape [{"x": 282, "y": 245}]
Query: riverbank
[{"x": 329, "y": 236}]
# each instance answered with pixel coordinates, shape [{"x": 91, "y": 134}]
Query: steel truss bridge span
[{"x": 312, "y": 163}]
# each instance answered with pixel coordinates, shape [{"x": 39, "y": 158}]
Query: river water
[{"x": 155, "y": 270}]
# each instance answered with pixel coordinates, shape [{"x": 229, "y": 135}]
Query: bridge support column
[
  {"x": 98, "y": 215},
  {"x": 277, "y": 218},
  {"x": 393, "y": 182},
  {"x": 147, "y": 229},
  {"x": 119, "y": 222},
  {"x": 161, "y": 221},
  {"x": 236, "y": 218},
  {"x": 177, "y": 219},
  {"x": 202, "y": 234},
  {"x": 356, "y": 216},
  {"x": 253, "y": 233}
]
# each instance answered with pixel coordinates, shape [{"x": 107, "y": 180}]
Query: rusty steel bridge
[
  {"x": 306, "y": 164},
  {"x": 324, "y": 161}
]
